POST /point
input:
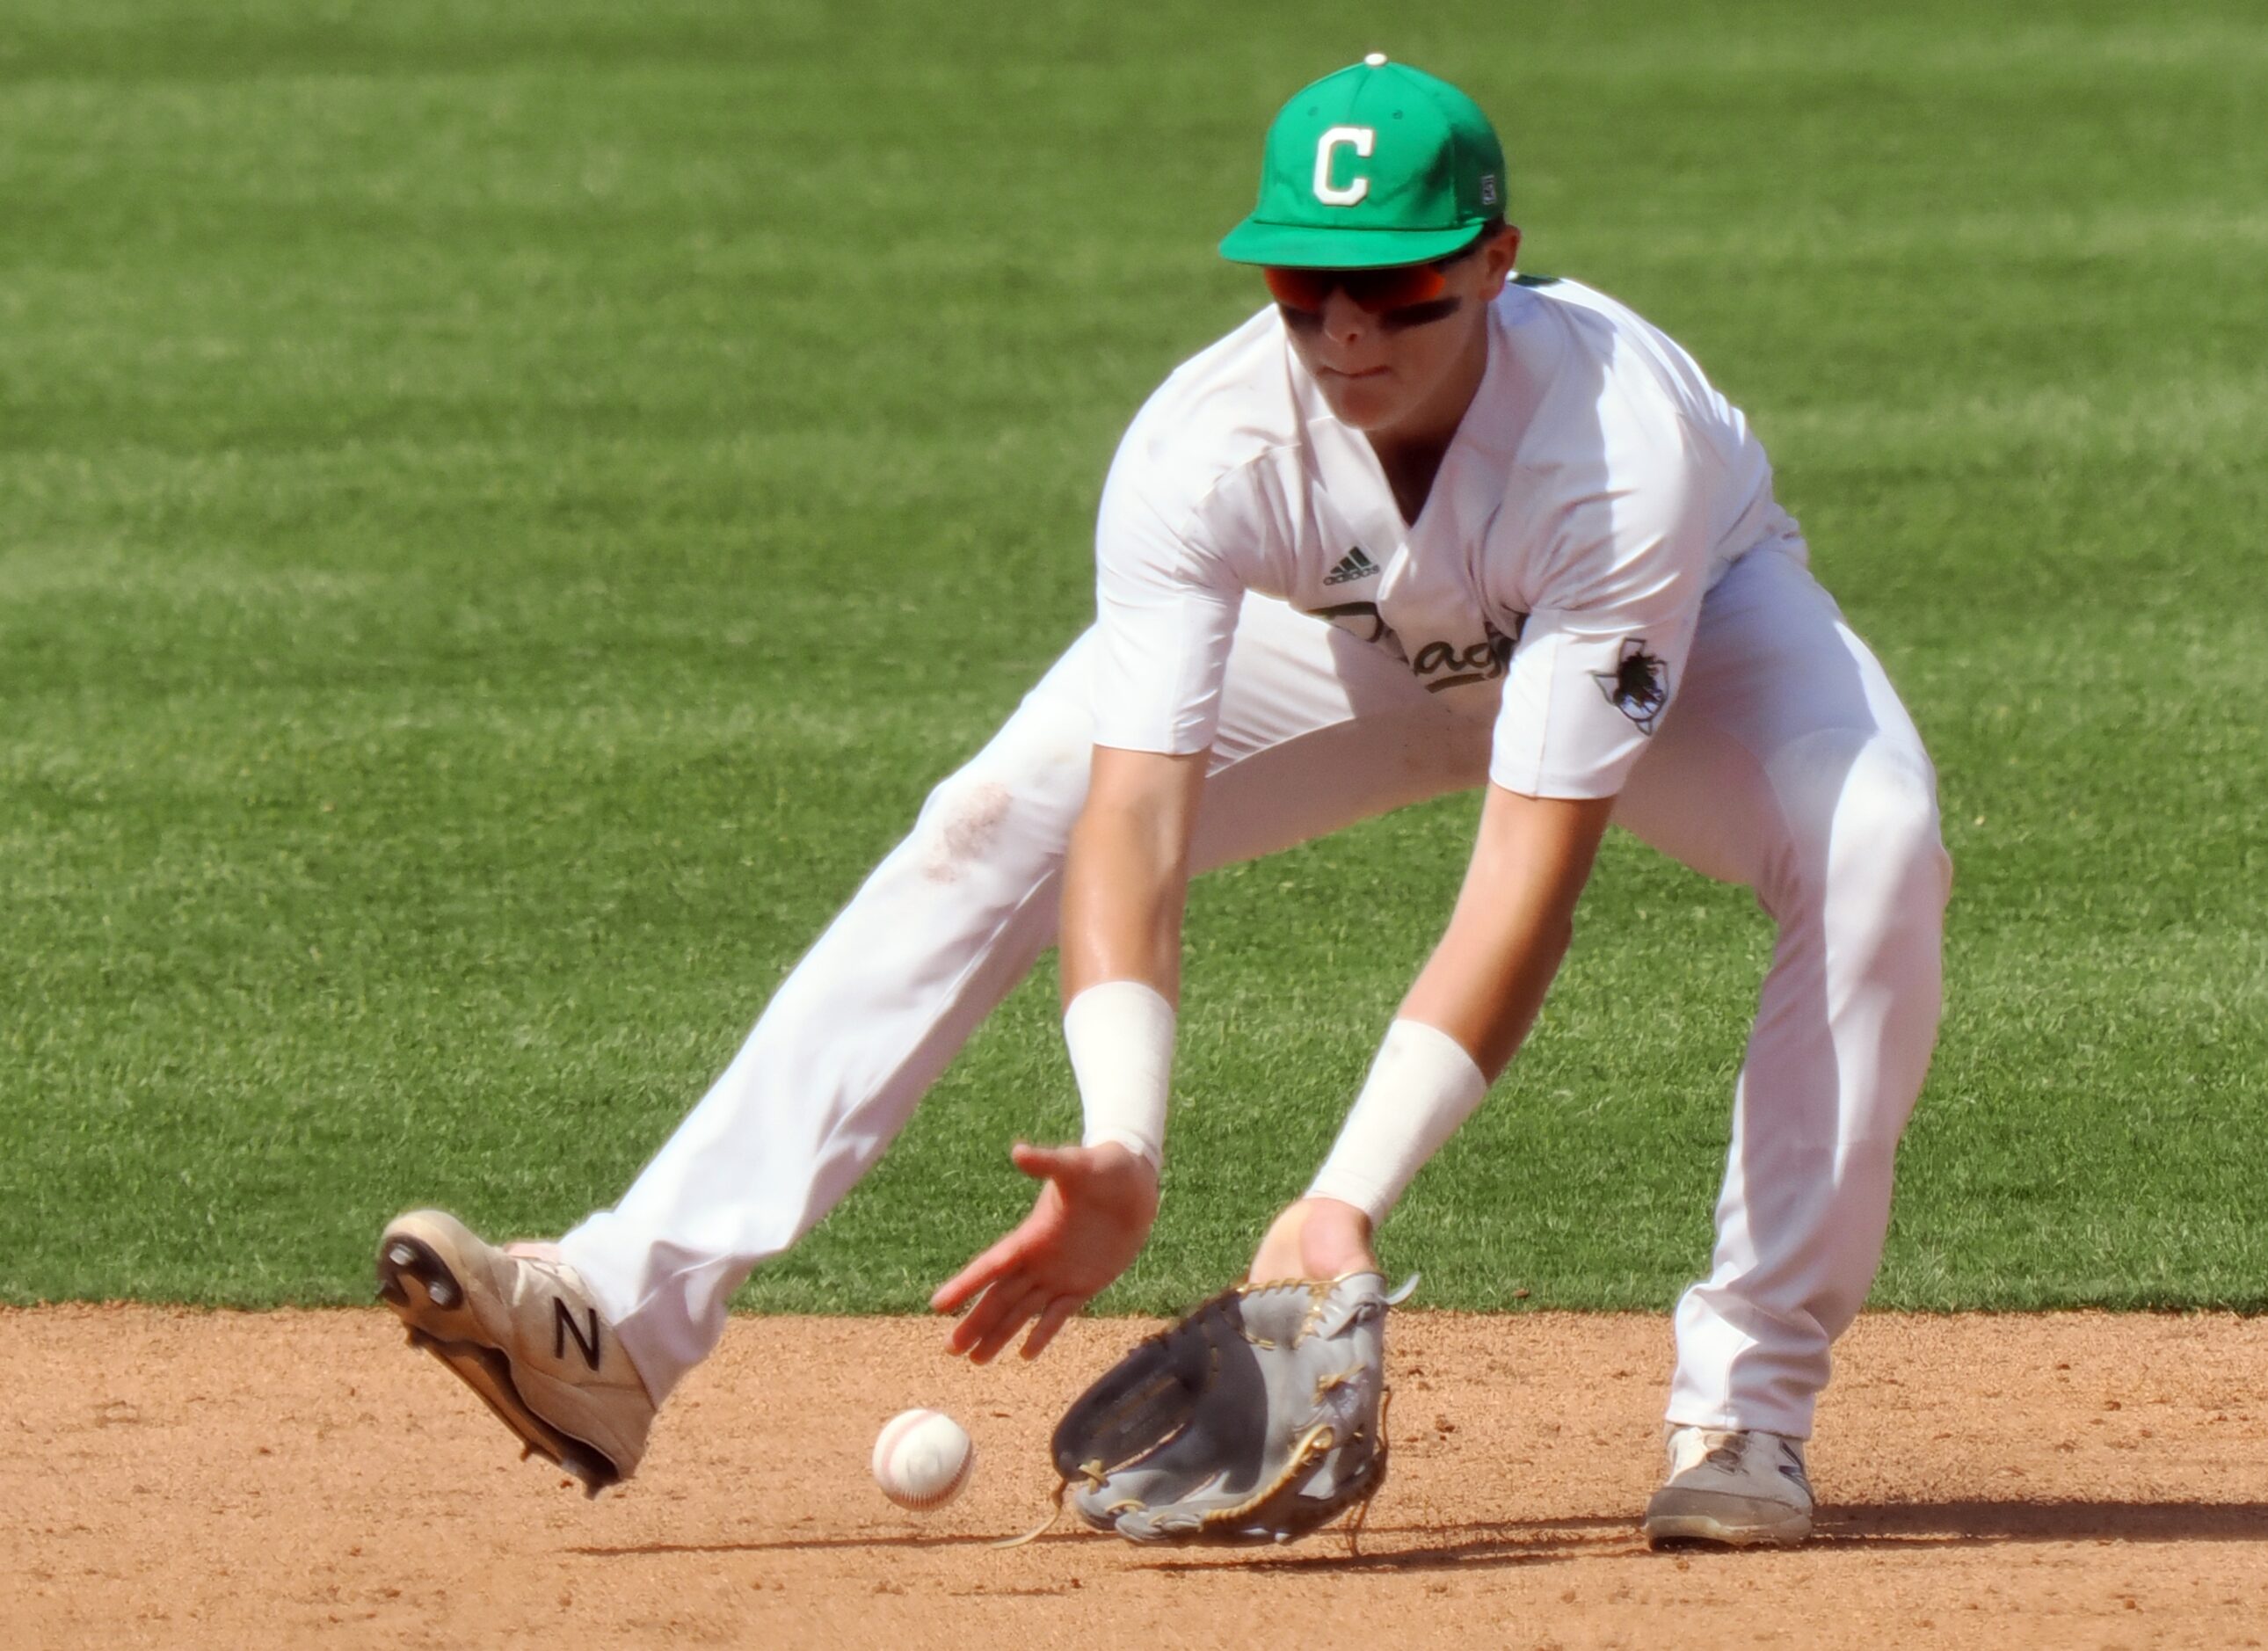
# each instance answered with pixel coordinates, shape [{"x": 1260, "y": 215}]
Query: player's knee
[
  {"x": 1862, "y": 839},
  {"x": 1886, "y": 856},
  {"x": 1014, "y": 801},
  {"x": 962, "y": 821}
]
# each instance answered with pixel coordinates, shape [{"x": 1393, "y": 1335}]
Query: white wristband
[
  {"x": 1121, "y": 1038},
  {"x": 1421, "y": 1087}
]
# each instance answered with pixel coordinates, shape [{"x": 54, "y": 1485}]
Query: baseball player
[{"x": 1420, "y": 524}]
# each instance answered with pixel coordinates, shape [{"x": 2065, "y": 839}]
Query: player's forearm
[
  {"x": 1126, "y": 873},
  {"x": 1485, "y": 986},
  {"x": 1487, "y": 978},
  {"x": 1473, "y": 1003},
  {"x": 1124, "y": 887}
]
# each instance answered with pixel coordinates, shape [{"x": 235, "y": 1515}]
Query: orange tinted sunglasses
[{"x": 1372, "y": 292}]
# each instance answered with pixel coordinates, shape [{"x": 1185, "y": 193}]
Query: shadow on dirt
[
  {"x": 2046, "y": 1520},
  {"x": 1484, "y": 1546},
  {"x": 812, "y": 1545},
  {"x": 1846, "y": 1527}
]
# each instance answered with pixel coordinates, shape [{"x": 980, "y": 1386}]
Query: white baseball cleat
[
  {"x": 1742, "y": 1489},
  {"x": 518, "y": 1329}
]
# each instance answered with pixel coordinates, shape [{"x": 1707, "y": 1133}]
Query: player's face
[{"x": 1385, "y": 346}]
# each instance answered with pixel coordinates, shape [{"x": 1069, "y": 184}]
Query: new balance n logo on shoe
[
  {"x": 1352, "y": 566},
  {"x": 564, "y": 1325}
]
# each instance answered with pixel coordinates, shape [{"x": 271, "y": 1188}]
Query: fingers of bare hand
[
  {"x": 974, "y": 1325},
  {"x": 986, "y": 1271},
  {"x": 1057, "y": 1314},
  {"x": 1003, "y": 1295},
  {"x": 1004, "y": 1328}
]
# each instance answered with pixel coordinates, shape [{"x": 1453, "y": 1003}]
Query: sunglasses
[{"x": 1372, "y": 292}]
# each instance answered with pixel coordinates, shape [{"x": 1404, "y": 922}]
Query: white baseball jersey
[{"x": 1595, "y": 490}]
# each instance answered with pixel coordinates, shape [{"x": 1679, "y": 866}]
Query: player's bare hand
[{"x": 1091, "y": 1219}]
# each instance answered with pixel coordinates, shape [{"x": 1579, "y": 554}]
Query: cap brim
[{"x": 1305, "y": 246}]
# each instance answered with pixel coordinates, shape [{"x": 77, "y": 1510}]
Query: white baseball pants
[{"x": 1785, "y": 763}]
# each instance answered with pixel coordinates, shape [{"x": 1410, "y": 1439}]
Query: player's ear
[{"x": 1499, "y": 255}]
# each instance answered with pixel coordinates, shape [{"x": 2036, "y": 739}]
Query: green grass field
[{"x": 506, "y": 508}]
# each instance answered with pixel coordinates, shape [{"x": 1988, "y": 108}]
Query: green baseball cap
[{"x": 1376, "y": 166}]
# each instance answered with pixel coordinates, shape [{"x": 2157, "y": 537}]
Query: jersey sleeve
[
  {"x": 1166, "y": 608},
  {"x": 1603, "y": 651}
]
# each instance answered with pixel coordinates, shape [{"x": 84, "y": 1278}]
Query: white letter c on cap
[{"x": 1362, "y": 139}]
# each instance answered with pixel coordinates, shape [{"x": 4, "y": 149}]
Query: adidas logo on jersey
[{"x": 1352, "y": 566}]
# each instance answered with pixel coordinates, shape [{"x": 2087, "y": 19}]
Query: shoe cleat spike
[
  {"x": 440, "y": 1292},
  {"x": 401, "y": 1254}
]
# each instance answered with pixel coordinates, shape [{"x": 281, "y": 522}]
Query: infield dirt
[{"x": 196, "y": 1480}]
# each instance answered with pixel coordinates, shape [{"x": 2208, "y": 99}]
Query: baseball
[{"x": 922, "y": 1459}]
